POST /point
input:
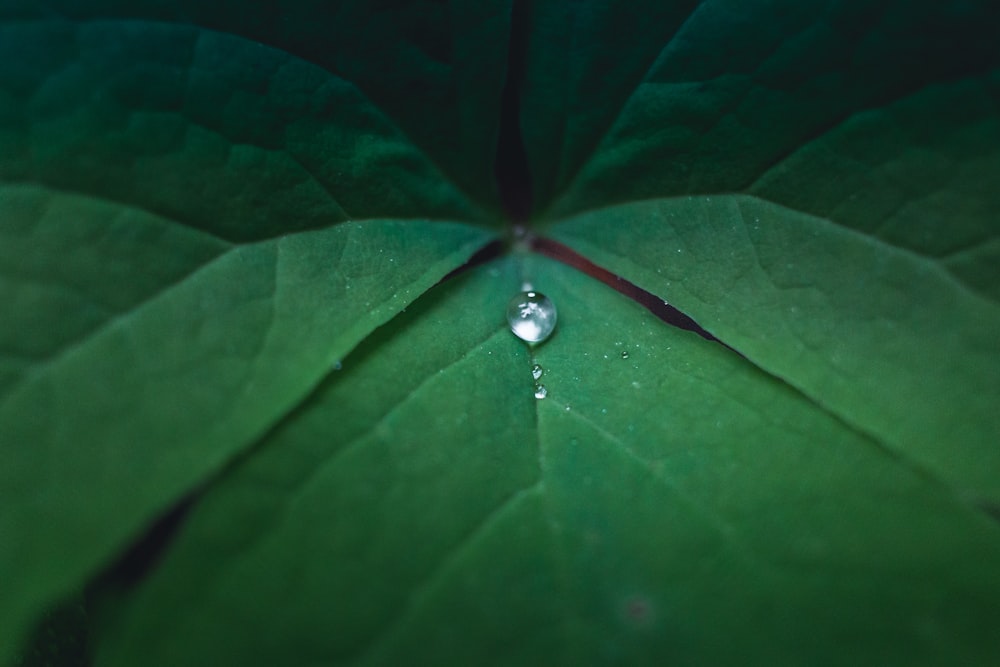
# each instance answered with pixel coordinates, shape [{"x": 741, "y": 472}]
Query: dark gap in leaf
[
  {"x": 59, "y": 638},
  {"x": 146, "y": 552},
  {"x": 161, "y": 533},
  {"x": 142, "y": 557},
  {"x": 990, "y": 509},
  {"x": 511, "y": 166},
  {"x": 487, "y": 253},
  {"x": 651, "y": 302}
]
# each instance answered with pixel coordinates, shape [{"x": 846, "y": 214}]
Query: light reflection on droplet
[
  {"x": 532, "y": 316},
  {"x": 540, "y": 391},
  {"x": 536, "y": 371}
]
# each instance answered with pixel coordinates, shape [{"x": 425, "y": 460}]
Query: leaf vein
[
  {"x": 425, "y": 588},
  {"x": 722, "y": 527}
]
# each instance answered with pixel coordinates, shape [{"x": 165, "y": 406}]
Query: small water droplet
[
  {"x": 532, "y": 316},
  {"x": 624, "y": 354},
  {"x": 337, "y": 365},
  {"x": 536, "y": 371},
  {"x": 540, "y": 391},
  {"x": 568, "y": 408}
]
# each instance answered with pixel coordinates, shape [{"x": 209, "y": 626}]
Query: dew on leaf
[
  {"x": 540, "y": 391},
  {"x": 532, "y": 316},
  {"x": 624, "y": 354},
  {"x": 536, "y": 371}
]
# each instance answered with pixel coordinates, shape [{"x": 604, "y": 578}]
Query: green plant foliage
[
  {"x": 848, "y": 319},
  {"x": 228, "y": 237}
]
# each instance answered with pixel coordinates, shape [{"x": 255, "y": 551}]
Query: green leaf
[
  {"x": 886, "y": 340},
  {"x": 891, "y": 323},
  {"x": 211, "y": 130},
  {"x": 428, "y": 439},
  {"x": 450, "y": 515},
  {"x": 142, "y": 403},
  {"x": 661, "y": 99},
  {"x": 229, "y": 237},
  {"x": 168, "y": 301}
]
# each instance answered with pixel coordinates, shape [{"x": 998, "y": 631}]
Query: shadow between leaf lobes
[{"x": 662, "y": 309}]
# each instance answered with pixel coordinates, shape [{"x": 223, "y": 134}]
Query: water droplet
[
  {"x": 337, "y": 365},
  {"x": 540, "y": 391},
  {"x": 624, "y": 354},
  {"x": 536, "y": 371},
  {"x": 532, "y": 316}
]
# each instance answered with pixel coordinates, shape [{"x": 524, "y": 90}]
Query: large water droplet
[
  {"x": 540, "y": 391},
  {"x": 536, "y": 371},
  {"x": 532, "y": 316}
]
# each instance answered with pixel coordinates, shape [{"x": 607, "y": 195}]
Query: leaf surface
[
  {"x": 227, "y": 111},
  {"x": 861, "y": 266},
  {"x": 888, "y": 341},
  {"x": 705, "y": 97},
  {"x": 214, "y": 215},
  {"x": 177, "y": 266},
  {"x": 619, "y": 519},
  {"x": 147, "y": 402},
  {"x": 420, "y": 433}
]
